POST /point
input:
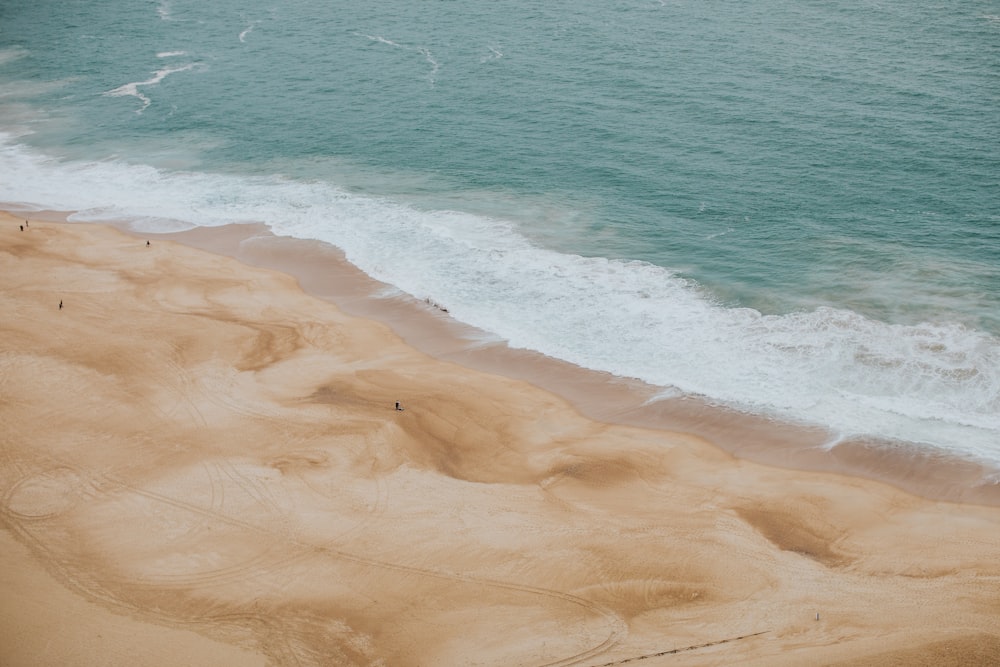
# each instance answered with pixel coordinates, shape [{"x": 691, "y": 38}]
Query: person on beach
[
  {"x": 60, "y": 304},
  {"x": 147, "y": 244},
  {"x": 22, "y": 228},
  {"x": 399, "y": 407}
]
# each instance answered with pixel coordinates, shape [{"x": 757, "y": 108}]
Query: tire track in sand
[
  {"x": 618, "y": 627},
  {"x": 297, "y": 549}
]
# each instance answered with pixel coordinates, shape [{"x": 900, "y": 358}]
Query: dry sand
[{"x": 200, "y": 464}]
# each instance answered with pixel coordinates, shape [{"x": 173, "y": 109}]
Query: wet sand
[{"x": 200, "y": 463}]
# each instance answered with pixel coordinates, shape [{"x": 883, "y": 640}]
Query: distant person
[
  {"x": 22, "y": 228},
  {"x": 147, "y": 244},
  {"x": 60, "y": 304},
  {"x": 398, "y": 406}
]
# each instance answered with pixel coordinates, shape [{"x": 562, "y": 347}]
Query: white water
[{"x": 933, "y": 383}]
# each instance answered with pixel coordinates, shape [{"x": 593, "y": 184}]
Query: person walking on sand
[
  {"x": 399, "y": 407},
  {"x": 60, "y": 304},
  {"x": 22, "y": 228},
  {"x": 147, "y": 244}
]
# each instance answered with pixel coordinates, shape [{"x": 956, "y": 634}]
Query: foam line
[
  {"x": 248, "y": 30},
  {"x": 132, "y": 89},
  {"x": 426, "y": 53}
]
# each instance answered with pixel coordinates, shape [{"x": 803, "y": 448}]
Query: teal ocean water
[{"x": 789, "y": 208}]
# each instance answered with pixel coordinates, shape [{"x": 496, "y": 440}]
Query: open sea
[{"x": 790, "y": 208}]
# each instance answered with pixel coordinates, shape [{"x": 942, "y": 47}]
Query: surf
[{"x": 932, "y": 383}]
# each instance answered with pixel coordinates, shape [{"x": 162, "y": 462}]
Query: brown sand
[
  {"x": 201, "y": 464},
  {"x": 322, "y": 271}
]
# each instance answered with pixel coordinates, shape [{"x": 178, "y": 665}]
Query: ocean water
[{"x": 788, "y": 208}]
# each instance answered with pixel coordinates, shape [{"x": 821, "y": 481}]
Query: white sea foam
[
  {"x": 163, "y": 10},
  {"x": 383, "y": 40},
  {"x": 435, "y": 66},
  {"x": 428, "y": 56},
  {"x": 495, "y": 54},
  {"x": 248, "y": 30},
  {"x": 171, "y": 54},
  {"x": 933, "y": 383},
  {"x": 132, "y": 89}
]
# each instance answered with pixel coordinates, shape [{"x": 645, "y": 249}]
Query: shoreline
[
  {"x": 323, "y": 271},
  {"x": 193, "y": 443}
]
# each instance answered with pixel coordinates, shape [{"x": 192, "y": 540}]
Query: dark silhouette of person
[{"x": 60, "y": 304}]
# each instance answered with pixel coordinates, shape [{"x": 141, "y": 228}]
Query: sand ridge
[{"x": 202, "y": 449}]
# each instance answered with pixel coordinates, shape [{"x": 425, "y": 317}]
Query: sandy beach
[{"x": 201, "y": 463}]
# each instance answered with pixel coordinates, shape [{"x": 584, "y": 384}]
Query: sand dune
[{"x": 201, "y": 464}]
